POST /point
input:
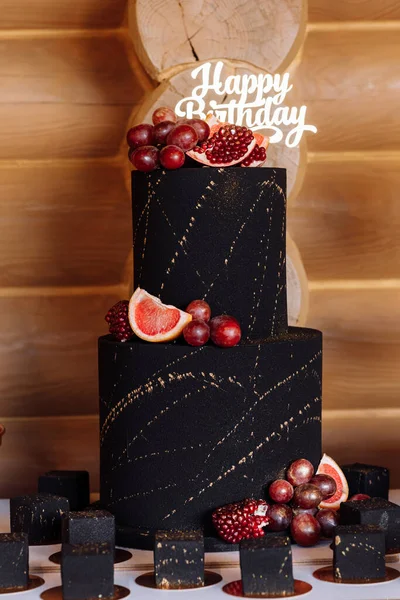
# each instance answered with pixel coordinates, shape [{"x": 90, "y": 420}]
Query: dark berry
[
  {"x": 359, "y": 497},
  {"x": 281, "y": 491},
  {"x": 307, "y": 495},
  {"x": 305, "y": 530},
  {"x": 199, "y": 309},
  {"x": 280, "y": 516},
  {"x": 300, "y": 471},
  {"x": 146, "y": 158},
  {"x": 161, "y": 131},
  {"x": 328, "y": 519},
  {"x": 225, "y": 331},
  {"x": 172, "y": 157},
  {"x": 326, "y": 484},
  {"x": 184, "y": 136},
  {"x": 140, "y": 135},
  {"x": 164, "y": 113},
  {"x": 202, "y": 128},
  {"x": 196, "y": 333}
]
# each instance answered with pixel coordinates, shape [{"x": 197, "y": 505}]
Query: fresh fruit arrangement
[
  {"x": 167, "y": 141},
  {"x": 149, "y": 319},
  {"x": 297, "y": 503}
]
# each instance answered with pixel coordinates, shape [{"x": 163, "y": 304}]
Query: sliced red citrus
[
  {"x": 328, "y": 466},
  {"x": 153, "y": 321}
]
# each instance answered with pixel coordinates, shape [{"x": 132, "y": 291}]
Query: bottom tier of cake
[{"x": 185, "y": 430}]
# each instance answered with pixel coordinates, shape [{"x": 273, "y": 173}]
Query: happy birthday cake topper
[{"x": 258, "y": 103}]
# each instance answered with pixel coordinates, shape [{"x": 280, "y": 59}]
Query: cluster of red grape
[
  {"x": 223, "y": 330},
  {"x": 166, "y": 141},
  {"x": 297, "y": 499}
]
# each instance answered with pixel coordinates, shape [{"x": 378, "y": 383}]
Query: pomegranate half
[{"x": 227, "y": 144}]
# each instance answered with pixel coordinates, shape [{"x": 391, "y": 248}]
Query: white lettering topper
[{"x": 258, "y": 103}]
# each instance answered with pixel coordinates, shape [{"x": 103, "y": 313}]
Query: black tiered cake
[{"x": 185, "y": 430}]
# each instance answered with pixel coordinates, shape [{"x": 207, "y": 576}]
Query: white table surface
[{"x": 306, "y": 561}]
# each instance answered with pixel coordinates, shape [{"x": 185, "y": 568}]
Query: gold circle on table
[
  {"x": 55, "y": 593},
  {"x": 148, "y": 580},
  {"x": 326, "y": 574},
  {"x": 235, "y": 588},
  {"x": 34, "y": 582},
  {"x": 120, "y": 556}
]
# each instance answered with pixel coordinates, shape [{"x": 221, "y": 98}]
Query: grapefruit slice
[
  {"x": 153, "y": 321},
  {"x": 328, "y": 466}
]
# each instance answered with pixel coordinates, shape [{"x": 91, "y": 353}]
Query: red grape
[
  {"x": 302, "y": 511},
  {"x": 145, "y": 158},
  {"x": 161, "y": 131},
  {"x": 358, "y": 497},
  {"x": 300, "y": 471},
  {"x": 140, "y": 135},
  {"x": 196, "y": 333},
  {"x": 225, "y": 331},
  {"x": 307, "y": 495},
  {"x": 202, "y": 128},
  {"x": 199, "y": 309},
  {"x": 281, "y": 491},
  {"x": 326, "y": 484},
  {"x": 172, "y": 157},
  {"x": 280, "y": 516},
  {"x": 328, "y": 519},
  {"x": 305, "y": 530},
  {"x": 164, "y": 113},
  {"x": 184, "y": 136}
]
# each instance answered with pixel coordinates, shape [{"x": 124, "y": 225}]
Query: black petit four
[
  {"x": 266, "y": 566},
  {"x": 87, "y": 571},
  {"x": 73, "y": 485},
  {"x": 88, "y": 526},
  {"x": 367, "y": 479},
  {"x": 358, "y": 553},
  {"x": 375, "y": 511},
  {"x": 14, "y": 554},
  {"x": 179, "y": 559},
  {"x": 38, "y": 515}
]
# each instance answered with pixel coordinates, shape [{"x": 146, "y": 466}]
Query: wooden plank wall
[
  {"x": 346, "y": 220},
  {"x": 69, "y": 82}
]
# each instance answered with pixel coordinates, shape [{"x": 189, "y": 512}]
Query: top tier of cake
[{"x": 216, "y": 234}]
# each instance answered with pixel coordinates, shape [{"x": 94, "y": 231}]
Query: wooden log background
[{"x": 70, "y": 82}]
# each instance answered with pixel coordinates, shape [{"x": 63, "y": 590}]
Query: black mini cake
[
  {"x": 179, "y": 559},
  {"x": 185, "y": 430},
  {"x": 375, "y": 511},
  {"x": 73, "y": 485},
  {"x": 87, "y": 571},
  {"x": 89, "y": 526},
  {"x": 14, "y": 556},
  {"x": 266, "y": 566},
  {"x": 39, "y": 516},
  {"x": 358, "y": 553},
  {"x": 367, "y": 479}
]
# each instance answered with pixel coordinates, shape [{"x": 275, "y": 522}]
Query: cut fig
[{"x": 227, "y": 145}]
